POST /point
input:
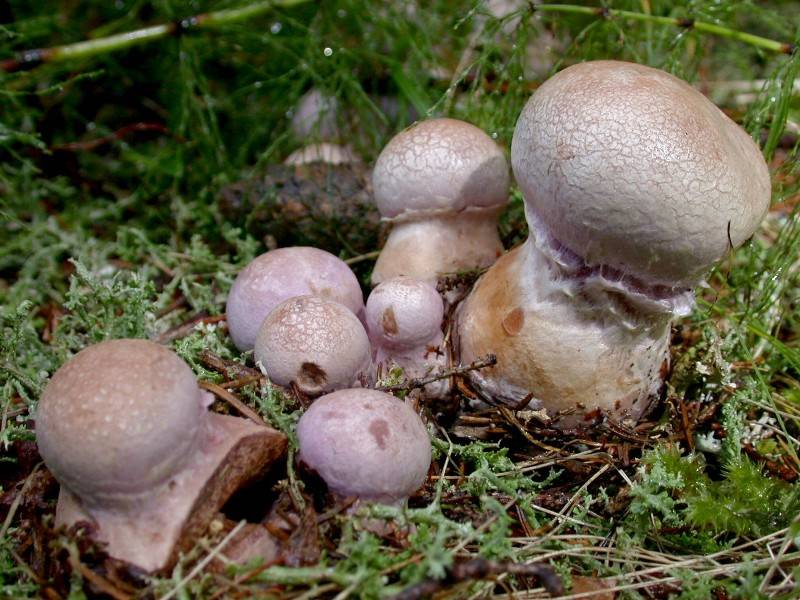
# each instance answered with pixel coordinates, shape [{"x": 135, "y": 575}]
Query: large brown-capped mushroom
[
  {"x": 366, "y": 444},
  {"x": 282, "y": 274},
  {"x": 125, "y": 429},
  {"x": 441, "y": 183},
  {"x": 404, "y": 321},
  {"x": 635, "y": 185},
  {"x": 317, "y": 344}
]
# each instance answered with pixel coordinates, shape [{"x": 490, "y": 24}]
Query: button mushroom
[
  {"x": 404, "y": 321},
  {"x": 125, "y": 429},
  {"x": 441, "y": 183},
  {"x": 635, "y": 185},
  {"x": 366, "y": 444},
  {"x": 282, "y": 274},
  {"x": 317, "y": 344}
]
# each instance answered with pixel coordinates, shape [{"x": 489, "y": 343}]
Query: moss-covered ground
[{"x": 114, "y": 167}]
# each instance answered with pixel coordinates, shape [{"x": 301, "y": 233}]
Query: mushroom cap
[
  {"x": 365, "y": 443},
  {"x": 438, "y": 166},
  {"x": 120, "y": 418},
  {"x": 404, "y": 313},
  {"x": 630, "y": 167},
  {"x": 318, "y": 344},
  {"x": 285, "y": 273},
  {"x": 316, "y": 116}
]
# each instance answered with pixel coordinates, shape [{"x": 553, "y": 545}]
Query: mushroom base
[
  {"x": 563, "y": 352},
  {"x": 435, "y": 244},
  {"x": 171, "y": 519}
]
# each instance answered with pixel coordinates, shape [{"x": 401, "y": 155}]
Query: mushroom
[
  {"x": 366, "y": 444},
  {"x": 404, "y": 321},
  {"x": 125, "y": 429},
  {"x": 316, "y": 116},
  {"x": 317, "y": 344},
  {"x": 282, "y": 274},
  {"x": 441, "y": 183},
  {"x": 635, "y": 185},
  {"x": 324, "y": 152}
]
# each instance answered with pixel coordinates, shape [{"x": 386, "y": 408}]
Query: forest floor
[{"x": 137, "y": 179}]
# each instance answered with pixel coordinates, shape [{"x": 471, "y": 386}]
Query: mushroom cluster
[{"x": 634, "y": 186}]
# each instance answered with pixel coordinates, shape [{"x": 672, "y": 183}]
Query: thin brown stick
[
  {"x": 362, "y": 257},
  {"x": 480, "y": 568},
  {"x": 488, "y": 361},
  {"x": 233, "y": 400},
  {"x": 229, "y": 368},
  {"x": 186, "y": 328},
  {"x": 12, "y": 511},
  {"x": 101, "y": 583}
]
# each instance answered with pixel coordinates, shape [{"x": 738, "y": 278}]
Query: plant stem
[
  {"x": 718, "y": 30},
  {"x": 89, "y": 48}
]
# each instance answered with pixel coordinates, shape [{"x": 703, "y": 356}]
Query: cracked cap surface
[
  {"x": 631, "y": 167},
  {"x": 439, "y": 165}
]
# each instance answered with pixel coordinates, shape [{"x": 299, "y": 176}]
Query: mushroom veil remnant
[
  {"x": 124, "y": 427},
  {"x": 285, "y": 273},
  {"x": 441, "y": 183},
  {"x": 366, "y": 444},
  {"x": 635, "y": 185}
]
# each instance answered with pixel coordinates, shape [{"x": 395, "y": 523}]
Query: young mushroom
[
  {"x": 404, "y": 321},
  {"x": 365, "y": 444},
  {"x": 317, "y": 344},
  {"x": 124, "y": 427},
  {"x": 635, "y": 185},
  {"x": 285, "y": 273},
  {"x": 441, "y": 183}
]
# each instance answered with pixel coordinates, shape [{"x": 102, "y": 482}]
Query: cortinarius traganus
[
  {"x": 441, "y": 183},
  {"x": 124, "y": 427},
  {"x": 635, "y": 185},
  {"x": 281, "y": 274},
  {"x": 365, "y": 443}
]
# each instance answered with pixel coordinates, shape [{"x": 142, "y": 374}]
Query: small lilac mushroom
[
  {"x": 317, "y": 344},
  {"x": 124, "y": 427},
  {"x": 635, "y": 185},
  {"x": 365, "y": 444},
  {"x": 441, "y": 183},
  {"x": 404, "y": 321},
  {"x": 282, "y": 274}
]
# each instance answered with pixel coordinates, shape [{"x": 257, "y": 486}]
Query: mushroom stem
[
  {"x": 578, "y": 350},
  {"x": 441, "y": 243}
]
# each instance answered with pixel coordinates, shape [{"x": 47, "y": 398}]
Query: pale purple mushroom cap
[
  {"x": 315, "y": 343},
  {"x": 119, "y": 419},
  {"x": 282, "y": 274},
  {"x": 439, "y": 166},
  {"x": 365, "y": 443},
  {"x": 632, "y": 169},
  {"x": 404, "y": 313}
]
